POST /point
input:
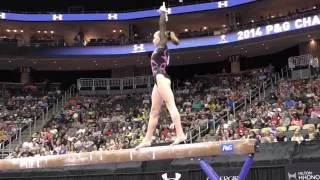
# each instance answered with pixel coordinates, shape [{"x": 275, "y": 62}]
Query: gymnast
[{"x": 162, "y": 91}]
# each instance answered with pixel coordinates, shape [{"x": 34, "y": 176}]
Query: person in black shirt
[
  {"x": 162, "y": 91},
  {"x": 281, "y": 137}
]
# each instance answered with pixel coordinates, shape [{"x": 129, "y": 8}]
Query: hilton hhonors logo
[
  {"x": 303, "y": 175},
  {"x": 292, "y": 176}
]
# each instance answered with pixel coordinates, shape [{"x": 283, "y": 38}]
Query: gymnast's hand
[{"x": 163, "y": 8}]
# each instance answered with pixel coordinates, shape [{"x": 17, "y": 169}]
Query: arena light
[
  {"x": 39, "y": 32},
  {"x": 51, "y": 32},
  {"x": 312, "y": 42},
  {"x": 204, "y": 27},
  {"x": 8, "y": 30},
  {"x": 15, "y": 30},
  {"x": 45, "y": 32},
  {"x": 186, "y": 30},
  {"x": 21, "y": 31}
]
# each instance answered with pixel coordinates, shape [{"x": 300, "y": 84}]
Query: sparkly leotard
[{"x": 159, "y": 61}]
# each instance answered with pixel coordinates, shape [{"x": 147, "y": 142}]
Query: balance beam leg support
[
  {"x": 208, "y": 170},
  {"x": 246, "y": 167}
]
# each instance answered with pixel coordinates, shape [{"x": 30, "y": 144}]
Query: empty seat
[
  {"x": 282, "y": 128},
  {"x": 265, "y": 130},
  {"x": 307, "y": 126},
  {"x": 293, "y": 128}
]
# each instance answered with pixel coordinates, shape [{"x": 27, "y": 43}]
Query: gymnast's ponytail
[{"x": 172, "y": 37}]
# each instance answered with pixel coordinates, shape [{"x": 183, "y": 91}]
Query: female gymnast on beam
[{"x": 162, "y": 88}]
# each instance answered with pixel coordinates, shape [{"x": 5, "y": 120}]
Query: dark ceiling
[{"x": 88, "y": 5}]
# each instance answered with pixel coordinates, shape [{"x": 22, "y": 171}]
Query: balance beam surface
[{"x": 144, "y": 154}]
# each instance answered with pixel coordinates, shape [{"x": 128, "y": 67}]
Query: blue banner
[
  {"x": 288, "y": 26},
  {"x": 121, "y": 16}
]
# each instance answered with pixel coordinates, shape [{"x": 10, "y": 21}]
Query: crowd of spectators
[
  {"x": 291, "y": 113},
  {"x": 20, "y": 107},
  {"x": 119, "y": 122},
  {"x": 96, "y": 123}
]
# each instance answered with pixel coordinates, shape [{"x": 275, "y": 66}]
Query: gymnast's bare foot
[
  {"x": 143, "y": 144},
  {"x": 179, "y": 140}
]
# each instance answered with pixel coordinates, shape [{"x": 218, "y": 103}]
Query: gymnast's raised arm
[{"x": 162, "y": 28}]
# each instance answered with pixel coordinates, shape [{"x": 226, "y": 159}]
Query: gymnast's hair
[{"x": 171, "y": 36}]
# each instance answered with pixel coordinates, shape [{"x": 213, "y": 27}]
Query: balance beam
[{"x": 127, "y": 155}]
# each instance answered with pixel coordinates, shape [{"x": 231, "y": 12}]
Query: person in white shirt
[{"x": 297, "y": 136}]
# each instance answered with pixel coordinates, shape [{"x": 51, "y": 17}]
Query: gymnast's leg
[
  {"x": 153, "y": 119},
  {"x": 164, "y": 89}
]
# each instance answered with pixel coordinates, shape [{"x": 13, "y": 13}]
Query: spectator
[
  {"x": 297, "y": 137},
  {"x": 296, "y": 121},
  {"x": 281, "y": 137},
  {"x": 252, "y": 135},
  {"x": 267, "y": 138},
  {"x": 312, "y": 134},
  {"x": 241, "y": 130}
]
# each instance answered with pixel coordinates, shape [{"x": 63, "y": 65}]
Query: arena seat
[
  {"x": 255, "y": 130},
  {"x": 282, "y": 128},
  {"x": 307, "y": 126},
  {"x": 265, "y": 130},
  {"x": 293, "y": 128}
]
